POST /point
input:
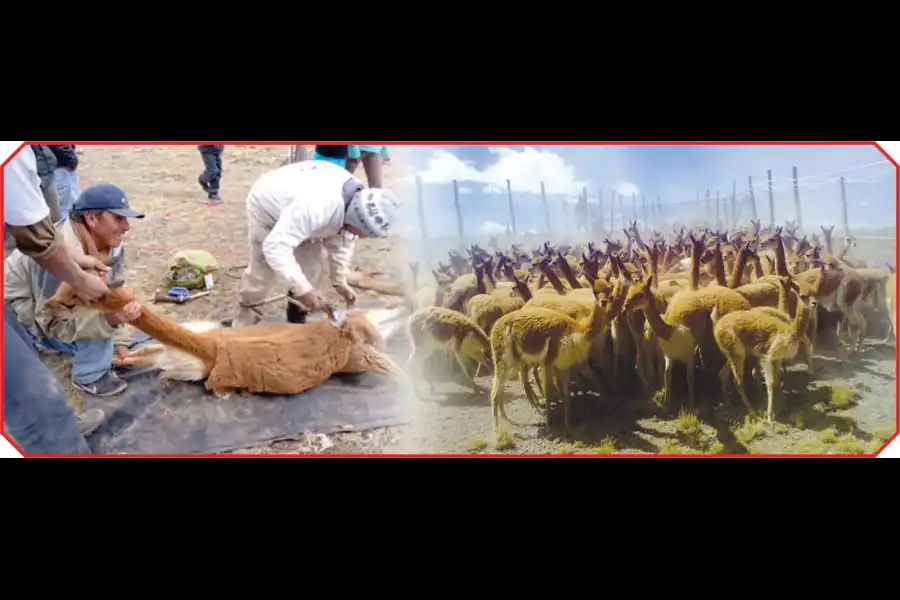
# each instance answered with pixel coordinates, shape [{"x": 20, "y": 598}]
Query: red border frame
[{"x": 486, "y": 143}]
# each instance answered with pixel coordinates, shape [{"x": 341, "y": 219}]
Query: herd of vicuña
[{"x": 748, "y": 301}]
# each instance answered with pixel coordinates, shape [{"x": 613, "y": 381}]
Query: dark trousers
[{"x": 211, "y": 178}]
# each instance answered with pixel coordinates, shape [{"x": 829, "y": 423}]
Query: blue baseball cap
[{"x": 107, "y": 197}]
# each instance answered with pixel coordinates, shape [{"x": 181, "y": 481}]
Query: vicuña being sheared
[{"x": 272, "y": 358}]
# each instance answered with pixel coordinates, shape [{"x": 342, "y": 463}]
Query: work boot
[
  {"x": 203, "y": 183},
  {"x": 295, "y": 314},
  {"x": 90, "y": 421},
  {"x": 108, "y": 385}
]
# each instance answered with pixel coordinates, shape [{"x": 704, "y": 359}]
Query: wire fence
[{"x": 860, "y": 200}]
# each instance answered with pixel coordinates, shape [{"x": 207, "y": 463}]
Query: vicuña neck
[
  {"x": 553, "y": 279},
  {"x": 568, "y": 274},
  {"x": 719, "y": 267},
  {"x": 780, "y": 263},
  {"x": 737, "y": 275},
  {"x": 695, "y": 268},
  {"x": 172, "y": 334},
  {"x": 660, "y": 328},
  {"x": 801, "y": 321}
]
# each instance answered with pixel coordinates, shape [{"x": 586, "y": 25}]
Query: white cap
[{"x": 373, "y": 211}]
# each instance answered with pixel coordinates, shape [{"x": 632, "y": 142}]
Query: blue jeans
[
  {"x": 35, "y": 413},
  {"x": 66, "y": 183},
  {"x": 93, "y": 358}
]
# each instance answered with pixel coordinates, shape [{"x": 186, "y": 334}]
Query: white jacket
[
  {"x": 304, "y": 201},
  {"x": 23, "y": 201}
]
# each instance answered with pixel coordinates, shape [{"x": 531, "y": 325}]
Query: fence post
[
  {"x": 752, "y": 197},
  {"x": 459, "y": 219},
  {"x": 512, "y": 210},
  {"x": 600, "y": 210},
  {"x": 844, "y": 205},
  {"x": 734, "y": 203},
  {"x": 633, "y": 212},
  {"x": 718, "y": 214},
  {"x": 659, "y": 214},
  {"x": 546, "y": 210},
  {"x": 587, "y": 211},
  {"x": 797, "y": 201},
  {"x": 644, "y": 210},
  {"x": 612, "y": 212},
  {"x": 419, "y": 196},
  {"x": 708, "y": 211},
  {"x": 771, "y": 200}
]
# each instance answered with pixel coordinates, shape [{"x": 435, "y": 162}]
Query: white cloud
[
  {"x": 492, "y": 228},
  {"x": 444, "y": 167},
  {"x": 526, "y": 169},
  {"x": 627, "y": 189}
]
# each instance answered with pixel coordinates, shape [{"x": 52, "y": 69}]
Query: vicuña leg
[
  {"x": 529, "y": 392},
  {"x": 770, "y": 370},
  {"x": 497, "y": 389},
  {"x": 563, "y": 377},
  {"x": 546, "y": 383},
  {"x": 737, "y": 371},
  {"x": 476, "y": 389},
  {"x": 691, "y": 373}
]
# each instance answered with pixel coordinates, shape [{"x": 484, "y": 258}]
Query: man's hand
[
  {"x": 346, "y": 292},
  {"x": 129, "y": 313},
  {"x": 90, "y": 263},
  {"x": 89, "y": 287},
  {"x": 313, "y": 301}
]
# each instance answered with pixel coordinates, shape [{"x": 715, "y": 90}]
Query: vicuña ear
[{"x": 116, "y": 284}]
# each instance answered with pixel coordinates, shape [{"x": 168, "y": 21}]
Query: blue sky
[{"x": 675, "y": 173}]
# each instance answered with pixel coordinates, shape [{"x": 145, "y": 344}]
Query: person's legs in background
[
  {"x": 48, "y": 187},
  {"x": 211, "y": 178},
  {"x": 67, "y": 189},
  {"x": 338, "y": 161},
  {"x": 299, "y": 153},
  {"x": 371, "y": 158},
  {"x": 36, "y": 414},
  {"x": 353, "y": 156}
]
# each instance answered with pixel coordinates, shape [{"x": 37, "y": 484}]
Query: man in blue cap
[{"x": 96, "y": 227}]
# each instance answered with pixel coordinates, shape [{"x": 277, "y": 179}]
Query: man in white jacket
[
  {"x": 296, "y": 212},
  {"x": 35, "y": 410}
]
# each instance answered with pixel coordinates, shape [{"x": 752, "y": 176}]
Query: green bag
[{"x": 187, "y": 267}]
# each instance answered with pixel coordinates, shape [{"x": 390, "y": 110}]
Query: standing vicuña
[{"x": 542, "y": 337}]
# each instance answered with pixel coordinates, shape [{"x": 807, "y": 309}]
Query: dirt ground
[
  {"x": 847, "y": 406},
  {"x": 161, "y": 181}
]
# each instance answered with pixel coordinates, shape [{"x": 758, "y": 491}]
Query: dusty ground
[
  {"x": 161, "y": 181},
  {"x": 814, "y": 416}
]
